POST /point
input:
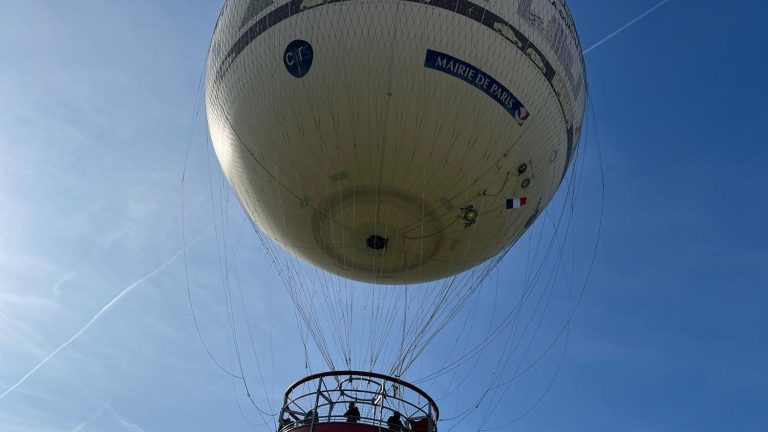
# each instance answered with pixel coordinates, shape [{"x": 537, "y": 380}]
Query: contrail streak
[
  {"x": 103, "y": 310},
  {"x": 625, "y": 26}
]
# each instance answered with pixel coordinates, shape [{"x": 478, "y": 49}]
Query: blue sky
[{"x": 96, "y": 101}]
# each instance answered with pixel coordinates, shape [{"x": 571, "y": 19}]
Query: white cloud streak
[
  {"x": 625, "y": 26},
  {"x": 63, "y": 281},
  {"x": 125, "y": 424},
  {"x": 101, "y": 312},
  {"x": 91, "y": 419}
]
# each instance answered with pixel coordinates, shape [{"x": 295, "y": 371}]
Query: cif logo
[{"x": 298, "y": 58}]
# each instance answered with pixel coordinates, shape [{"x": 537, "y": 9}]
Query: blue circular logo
[{"x": 298, "y": 58}]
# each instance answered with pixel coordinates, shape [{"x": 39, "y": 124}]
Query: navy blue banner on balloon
[{"x": 475, "y": 77}]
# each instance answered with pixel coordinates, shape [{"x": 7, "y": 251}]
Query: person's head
[
  {"x": 397, "y": 414},
  {"x": 351, "y": 404}
]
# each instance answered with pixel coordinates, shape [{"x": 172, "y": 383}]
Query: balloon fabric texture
[{"x": 395, "y": 141}]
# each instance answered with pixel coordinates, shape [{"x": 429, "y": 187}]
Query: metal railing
[{"x": 326, "y": 397}]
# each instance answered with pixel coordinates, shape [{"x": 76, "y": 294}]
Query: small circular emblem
[{"x": 298, "y": 58}]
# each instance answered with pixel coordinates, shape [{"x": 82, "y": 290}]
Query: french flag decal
[{"x": 515, "y": 203}]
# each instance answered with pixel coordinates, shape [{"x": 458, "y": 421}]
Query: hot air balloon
[{"x": 394, "y": 143}]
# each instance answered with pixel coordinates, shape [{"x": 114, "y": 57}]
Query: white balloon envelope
[{"x": 395, "y": 141}]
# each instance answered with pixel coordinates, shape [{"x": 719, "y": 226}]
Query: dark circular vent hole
[{"x": 377, "y": 242}]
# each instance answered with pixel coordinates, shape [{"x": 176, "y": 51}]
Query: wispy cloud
[
  {"x": 101, "y": 312},
  {"x": 625, "y": 26},
  {"x": 90, "y": 420},
  {"x": 124, "y": 423},
  {"x": 63, "y": 281},
  {"x": 17, "y": 333}
]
